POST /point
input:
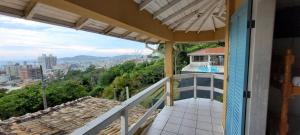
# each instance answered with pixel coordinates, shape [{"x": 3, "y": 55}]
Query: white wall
[{"x": 259, "y": 66}]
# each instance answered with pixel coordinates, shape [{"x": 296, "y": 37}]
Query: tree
[
  {"x": 181, "y": 49},
  {"x": 64, "y": 92}
]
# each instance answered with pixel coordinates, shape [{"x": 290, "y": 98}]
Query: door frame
[{"x": 261, "y": 42}]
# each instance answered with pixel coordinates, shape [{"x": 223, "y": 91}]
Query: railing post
[
  {"x": 168, "y": 90},
  {"x": 127, "y": 92},
  {"x": 195, "y": 86},
  {"x": 124, "y": 122},
  {"x": 212, "y": 87}
]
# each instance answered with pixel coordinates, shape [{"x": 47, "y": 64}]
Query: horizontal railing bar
[
  {"x": 183, "y": 76},
  {"x": 190, "y": 75},
  {"x": 107, "y": 118},
  {"x": 218, "y": 90},
  {"x": 204, "y": 75},
  {"x": 138, "y": 97},
  {"x": 218, "y": 76},
  {"x": 142, "y": 120},
  {"x": 188, "y": 88},
  {"x": 204, "y": 88}
]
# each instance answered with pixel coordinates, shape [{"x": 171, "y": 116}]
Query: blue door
[{"x": 237, "y": 71}]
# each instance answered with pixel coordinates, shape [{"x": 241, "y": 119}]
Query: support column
[
  {"x": 230, "y": 10},
  {"x": 169, "y": 66}
]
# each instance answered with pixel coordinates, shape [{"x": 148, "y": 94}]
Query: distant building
[
  {"x": 12, "y": 70},
  {"x": 47, "y": 62},
  {"x": 210, "y": 60},
  {"x": 4, "y": 79},
  {"x": 28, "y": 72}
]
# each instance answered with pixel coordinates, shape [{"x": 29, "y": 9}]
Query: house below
[
  {"x": 210, "y": 60},
  {"x": 64, "y": 118}
]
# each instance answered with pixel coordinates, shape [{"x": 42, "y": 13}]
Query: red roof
[{"x": 218, "y": 50}]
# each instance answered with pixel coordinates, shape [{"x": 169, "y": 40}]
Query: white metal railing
[
  {"x": 121, "y": 111},
  {"x": 195, "y": 87}
]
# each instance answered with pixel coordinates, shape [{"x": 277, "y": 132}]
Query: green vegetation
[
  {"x": 76, "y": 84},
  {"x": 94, "y": 82},
  {"x": 182, "y": 49}
]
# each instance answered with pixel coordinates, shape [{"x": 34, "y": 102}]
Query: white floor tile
[
  {"x": 170, "y": 127},
  {"x": 187, "y": 131},
  {"x": 203, "y": 132},
  {"x": 204, "y": 126},
  {"x": 189, "y": 117},
  {"x": 189, "y": 123}
]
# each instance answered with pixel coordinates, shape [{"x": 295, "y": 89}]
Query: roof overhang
[
  {"x": 205, "y": 54},
  {"x": 119, "y": 18}
]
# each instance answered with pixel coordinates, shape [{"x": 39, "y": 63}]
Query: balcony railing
[
  {"x": 121, "y": 111},
  {"x": 195, "y": 87}
]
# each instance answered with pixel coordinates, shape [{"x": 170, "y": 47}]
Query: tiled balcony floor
[{"x": 189, "y": 117}]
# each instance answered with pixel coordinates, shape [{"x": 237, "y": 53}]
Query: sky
[{"x": 26, "y": 40}]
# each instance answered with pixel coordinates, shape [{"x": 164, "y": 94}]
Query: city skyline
[{"x": 26, "y": 40}]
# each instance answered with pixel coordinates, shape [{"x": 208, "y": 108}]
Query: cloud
[
  {"x": 20, "y": 39},
  {"x": 16, "y": 21},
  {"x": 72, "y": 51}
]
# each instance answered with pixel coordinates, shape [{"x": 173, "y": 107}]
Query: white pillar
[
  {"x": 127, "y": 92},
  {"x": 212, "y": 87},
  {"x": 124, "y": 122},
  {"x": 168, "y": 90},
  {"x": 195, "y": 86}
]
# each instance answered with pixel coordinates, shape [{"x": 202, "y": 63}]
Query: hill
[{"x": 89, "y": 58}]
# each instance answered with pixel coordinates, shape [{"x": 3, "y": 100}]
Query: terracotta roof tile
[
  {"x": 218, "y": 50},
  {"x": 65, "y": 118}
]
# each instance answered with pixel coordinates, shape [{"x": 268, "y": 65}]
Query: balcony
[{"x": 189, "y": 116}]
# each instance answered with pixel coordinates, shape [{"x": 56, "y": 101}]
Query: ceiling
[
  {"x": 187, "y": 15},
  {"x": 178, "y": 15}
]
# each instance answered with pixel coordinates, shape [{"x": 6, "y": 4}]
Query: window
[
  {"x": 200, "y": 58},
  {"x": 217, "y": 60}
]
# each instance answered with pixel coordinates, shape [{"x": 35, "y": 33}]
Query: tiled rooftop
[
  {"x": 189, "y": 117},
  {"x": 65, "y": 118}
]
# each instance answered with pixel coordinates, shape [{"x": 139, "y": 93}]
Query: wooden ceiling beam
[
  {"x": 220, "y": 18},
  {"x": 125, "y": 34},
  {"x": 165, "y": 8},
  {"x": 207, "y": 14},
  {"x": 192, "y": 24},
  {"x": 145, "y": 3},
  {"x": 127, "y": 16},
  {"x": 108, "y": 29},
  {"x": 11, "y": 11},
  {"x": 30, "y": 9},
  {"x": 158, "y": 42},
  {"x": 187, "y": 7},
  {"x": 199, "y": 17},
  {"x": 213, "y": 23},
  {"x": 147, "y": 39},
  {"x": 184, "y": 18},
  {"x": 222, "y": 9},
  {"x": 203, "y": 36},
  {"x": 81, "y": 22}
]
